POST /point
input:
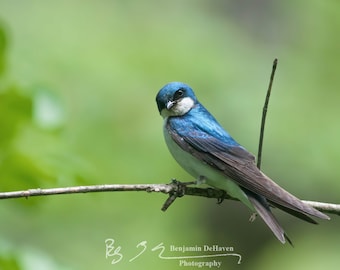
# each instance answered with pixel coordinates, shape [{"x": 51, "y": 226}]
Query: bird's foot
[
  {"x": 222, "y": 197},
  {"x": 178, "y": 190},
  {"x": 252, "y": 217}
]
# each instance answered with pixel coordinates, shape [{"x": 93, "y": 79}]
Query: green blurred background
[{"x": 77, "y": 107}]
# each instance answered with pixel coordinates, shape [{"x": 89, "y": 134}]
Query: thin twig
[
  {"x": 264, "y": 114},
  {"x": 171, "y": 188},
  {"x": 86, "y": 189}
]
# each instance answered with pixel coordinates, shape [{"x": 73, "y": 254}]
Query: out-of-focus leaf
[
  {"x": 18, "y": 171},
  {"x": 48, "y": 111},
  {"x": 32, "y": 154},
  {"x": 32, "y": 258},
  {"x": 15, "y": 108},
  {"x": 9, "y": 262},
  {"x": 25, "y": 257}
]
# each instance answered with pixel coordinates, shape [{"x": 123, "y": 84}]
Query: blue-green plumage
[{"x": 206, "y": 151}]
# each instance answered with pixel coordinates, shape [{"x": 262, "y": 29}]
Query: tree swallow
[{"x": 207, "y": 152}]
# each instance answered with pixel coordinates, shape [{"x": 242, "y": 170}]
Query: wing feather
[{"x": 239, "y": 165}]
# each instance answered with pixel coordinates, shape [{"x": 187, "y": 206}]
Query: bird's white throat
[{"x": 179, "y": 108}]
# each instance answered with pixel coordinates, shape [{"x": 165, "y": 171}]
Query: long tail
[{"x": 262, "y": 208}]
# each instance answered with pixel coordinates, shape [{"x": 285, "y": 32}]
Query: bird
[{"x": 203, "y": 148}]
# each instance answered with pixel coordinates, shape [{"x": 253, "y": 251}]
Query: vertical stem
[{"x": 264, "y": 114}]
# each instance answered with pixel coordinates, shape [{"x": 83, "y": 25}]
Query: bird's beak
[{"x": 170, "y": 104}]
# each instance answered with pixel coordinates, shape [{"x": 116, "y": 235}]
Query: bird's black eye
[{"x": 178, "y": 94}]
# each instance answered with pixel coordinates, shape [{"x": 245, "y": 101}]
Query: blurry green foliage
[
  {"x": 32, "y": 152},
  {"x": 31, "y": 148},
  {"x": 16, "y": 170},
  {"x": 77, "y": 89},
  {"x": 9, "y": 263},
  {"x": 15, "y": 110},
  {"x": 48, "y": 109}
]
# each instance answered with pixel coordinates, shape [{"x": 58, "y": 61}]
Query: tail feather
[
  {"x": 262, "y": 208},
  {"x": 295, "y": 213}
]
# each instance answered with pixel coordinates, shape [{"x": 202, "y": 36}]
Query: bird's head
[{"x": 175, "y": 99}]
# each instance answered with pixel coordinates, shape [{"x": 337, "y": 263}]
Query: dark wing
[{"x": 239, "y": 165}]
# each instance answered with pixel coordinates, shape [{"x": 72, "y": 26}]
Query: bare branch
[
  {"x": 85, "y": 189},
  {"x": 174, "y": 189},
  {"x": 330, "y": 208},
  {"x": 264, "y": 114}
]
